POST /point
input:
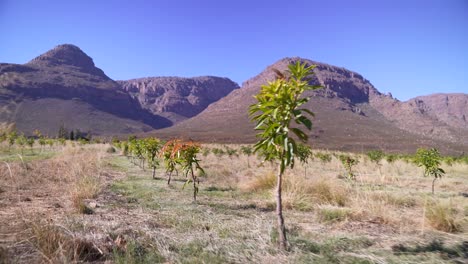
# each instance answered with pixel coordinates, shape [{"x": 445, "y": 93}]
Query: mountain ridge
[
  {"x": 63, "y": 85},
  {"x": 347, "y": 114}
]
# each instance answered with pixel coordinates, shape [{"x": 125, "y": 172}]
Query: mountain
[
  {"x": 350, "y": 114},
  {"x": 64, "y": 87},
  {"x": 178, "y": 98}
]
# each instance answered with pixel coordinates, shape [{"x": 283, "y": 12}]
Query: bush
[
  {"x": 375, "y": 156},
  {"x": 324, "y": 157}
]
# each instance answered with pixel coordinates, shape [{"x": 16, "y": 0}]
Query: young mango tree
[
  {"x": 247, "y": 150},
  {"x": 376, "y": 156},
  {"x": 187, "y": 152},
  {"x": 152, "y": 147},
  {"x": 348, "y": 163},
  {"x": 430, "y": 160},
  {"x": 171, "y": 159},
  {"x": 304, "y": 153},
  {"x": 12, "y": 139},
  {"x": 279, "y": 103}
]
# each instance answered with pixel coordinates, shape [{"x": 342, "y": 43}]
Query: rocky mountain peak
[
  {"x": 338, "y": 82},
  {"x": 67, "y": 55}
]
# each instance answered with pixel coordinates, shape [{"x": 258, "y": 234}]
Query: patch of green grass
[
  {"x": 332, "y": 250},
  {"x": 136, "y": 253},
  {"x": 197, "y": 251},
  {"x": 331, "y": 215},
  {"x": 447, "y": 252},
  {"x": 27, "y": 156},
  {"x": 139, "y": 190}
]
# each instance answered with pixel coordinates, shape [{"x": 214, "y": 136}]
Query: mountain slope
[
  {"x": 178, "y": 98},
  {"x": 347, "y": 117},
  {"x": 63, "y": 86}
]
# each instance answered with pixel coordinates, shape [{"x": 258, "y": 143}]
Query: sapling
[{"x": 278, "y": 103}]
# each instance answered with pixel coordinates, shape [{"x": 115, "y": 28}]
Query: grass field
[{"x": 89, "y": 204}]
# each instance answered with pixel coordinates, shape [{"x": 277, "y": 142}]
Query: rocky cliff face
[
  {"x": 178, "y": 98},
  {"x": 350, "y": 114}
]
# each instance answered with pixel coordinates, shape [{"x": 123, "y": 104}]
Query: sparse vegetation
[{"x": 332, "y": 221}]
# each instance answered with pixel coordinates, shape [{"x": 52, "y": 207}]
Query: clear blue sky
[{"x": 407, "y": 47}]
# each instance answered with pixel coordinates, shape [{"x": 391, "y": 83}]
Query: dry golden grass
[
  {"x": 391, "y": 193},
  {"x": 234, "y": 219},
  {"x": 56, "y": 244},
  {"x": 443, "y": 216}
]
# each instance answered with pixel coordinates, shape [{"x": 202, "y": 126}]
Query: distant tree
[
  {"x": 11, "y": 138},
  {"x": 278, "y": 103},
  {"x": 171, "y": 158},
  {"x": 324, "y": 157},
  {"x": 348, "y": 163},
  {"x": 21, "y": 142},
  {"x": 50, "y": 142},
  {"x": 376, "y": 156},
  {"x": 37, "y": 133},
  {"x": 248, "y": 151},
  {"x": 430, "y": 159},
  {"x": 152, "y": 148},
  {"x": 62, "y": 132},
  {"x": 30, "y": 143},
  {"x": 186, "y": 154},
  {"x": 42, "y": 142},
  {"x": 304, "y": 153},
  {"x": 72, "y": 135}
]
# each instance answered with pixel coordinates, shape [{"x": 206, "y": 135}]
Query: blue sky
[{"x": 408, "y": 48}]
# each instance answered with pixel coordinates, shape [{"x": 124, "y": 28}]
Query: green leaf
[{"x": 301, "y": 135}]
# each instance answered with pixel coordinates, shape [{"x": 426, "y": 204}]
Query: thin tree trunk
[
  {"x": 154, "y": 172},
  {"x": 433, "y": 182},
  {"x": 279, "y": 212},
  {"x": 169, "y": 178},
  {"x": 194, "y": 185}
]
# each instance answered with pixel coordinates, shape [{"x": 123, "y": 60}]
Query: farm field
[{"x": 90, "y": 203}]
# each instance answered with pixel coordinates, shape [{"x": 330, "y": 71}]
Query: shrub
[
  {"x": 375, "y": 156},
  {"x": 324, "y": 157},
  {"x": 390, "y": 158}
]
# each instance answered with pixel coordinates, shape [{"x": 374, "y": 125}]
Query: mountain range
[{"x": 63, "y": 87}]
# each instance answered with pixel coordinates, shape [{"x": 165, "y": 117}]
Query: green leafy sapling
[
  {"x": 348, "y": 163},
  {"x": 278, "y": 105},
  {"x": 304, "y": 154},
  {"x": 430, "y": 159}
]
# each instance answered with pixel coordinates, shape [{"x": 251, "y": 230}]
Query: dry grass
[
  {"x": 443, "y": 216},
  {"x": 262, "y": 182},
  {"x": 57, "y": 244},
  {"x": 329, "y": 219}
]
